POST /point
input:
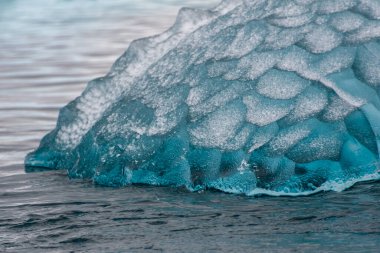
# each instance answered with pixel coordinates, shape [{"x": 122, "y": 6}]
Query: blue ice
[{"x": 275, "y": 95}]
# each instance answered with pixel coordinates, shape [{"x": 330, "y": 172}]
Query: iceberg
[{"x": 251, "y": 96}]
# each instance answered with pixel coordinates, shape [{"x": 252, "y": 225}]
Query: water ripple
[{"x": 49, "y": 50}]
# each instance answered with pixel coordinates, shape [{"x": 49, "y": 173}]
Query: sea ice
[{"x": 274, "y": 94}]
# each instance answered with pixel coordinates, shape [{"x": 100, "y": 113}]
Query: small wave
[{"x": 337, "y": 186}]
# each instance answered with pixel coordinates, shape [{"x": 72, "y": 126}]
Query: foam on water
[
  {"x": 336, "y": 185},
  {"x": 254, "y": 97}
]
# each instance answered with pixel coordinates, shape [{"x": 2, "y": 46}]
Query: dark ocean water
[{"x": 49, "y": 49}]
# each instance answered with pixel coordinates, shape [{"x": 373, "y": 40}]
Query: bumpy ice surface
[{"x": 261, "y": 95}]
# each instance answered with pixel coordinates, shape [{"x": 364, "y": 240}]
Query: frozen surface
[{"x": 248, "y": 97}]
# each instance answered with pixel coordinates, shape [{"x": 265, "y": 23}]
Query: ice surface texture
[{"x": 279, "y": 95}]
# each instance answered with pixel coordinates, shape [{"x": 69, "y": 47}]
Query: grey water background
[{"x": 49, "y": 50}]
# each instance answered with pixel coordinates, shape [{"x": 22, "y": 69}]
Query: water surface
[{"x": 49, "y": 50}]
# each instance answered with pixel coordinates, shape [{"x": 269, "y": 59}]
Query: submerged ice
[{"x": 277, "y": 95}]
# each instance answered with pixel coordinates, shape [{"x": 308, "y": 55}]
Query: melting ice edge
[{"x": 254, "y": 97}]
